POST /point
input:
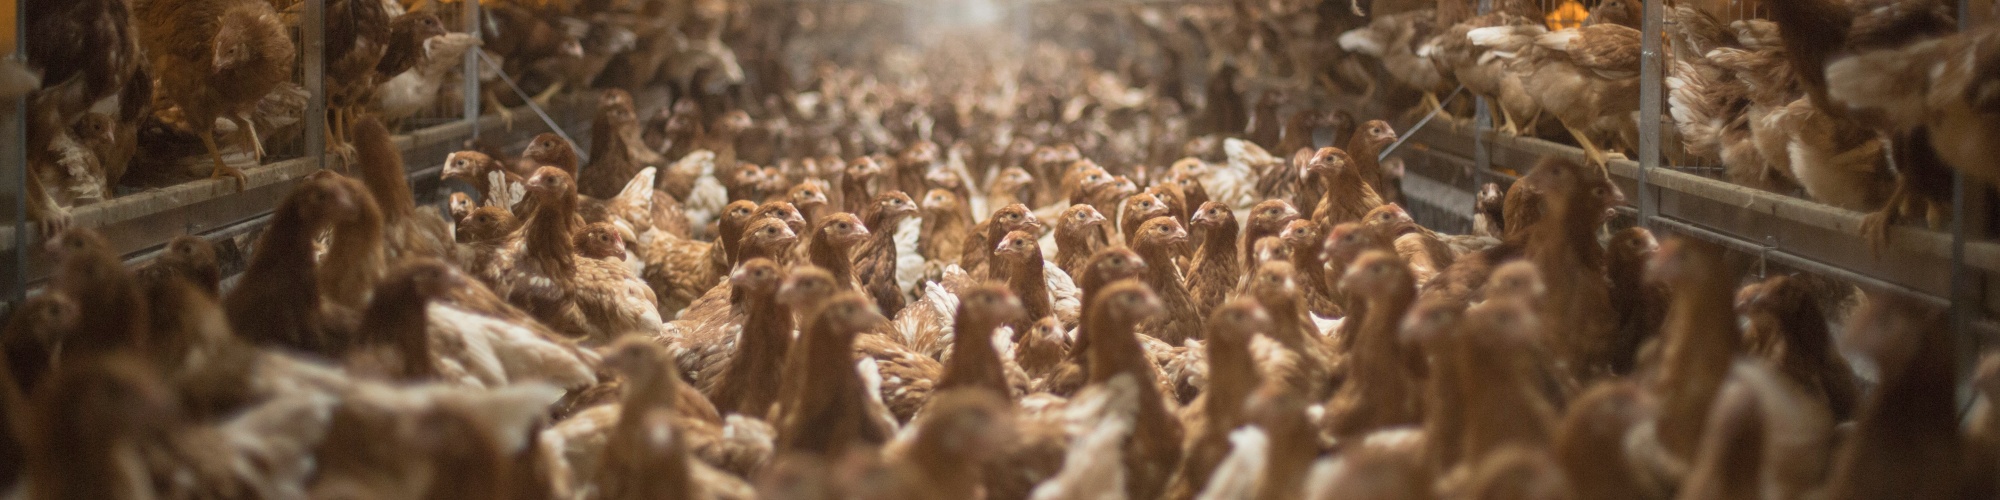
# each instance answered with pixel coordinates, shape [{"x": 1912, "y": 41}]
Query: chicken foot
[
  {"x": 49, "y": 216},
  {"x": 222, "y": 169}
]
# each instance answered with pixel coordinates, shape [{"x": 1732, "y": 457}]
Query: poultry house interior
[{"x": 1001, "y": 249}]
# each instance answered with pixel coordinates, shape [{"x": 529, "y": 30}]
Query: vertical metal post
[
  {"x": 1967, "y": 208},
  {"x": 470, "y": 8},
  {"x": 16, "y": 158},
  {"x": 1482, "y": 121},
  {"x": 1650, "y": 81},
  {"x": 312, "y": 34}
]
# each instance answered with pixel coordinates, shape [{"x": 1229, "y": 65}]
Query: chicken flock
[
  {"x": 1864, "y": 105},
  {"x": 989, "y": 267}
]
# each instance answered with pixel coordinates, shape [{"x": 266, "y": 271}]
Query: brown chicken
[
  {"x": 957, "y": 435},
  {"x": 981, "y": 241},
  {"x": 875, "y": 259},
  {"x": 906, "y": 376},
  {"x": 86, "y": 52},
  {"x": 498, "y": 186},
  {"x": 1303, "y": 239},
  {"x": 1109, "y": 266},
  {"x": 827, "y": 415},
  {"x": 358, "y": 35},
  {"x": 276, "y": 301},
  {"x": 1233, "y": 376},
  {"x": 355, "y": 258},
  {"x": 1591, "y": 441},
  {"x": 409, "y": 231},
  {"x": 739, "y": 372},
  {"x": 646, "y": 454},
  {"x": 1700, "y": 340},
  {"x": 1377, "y": 391},
  {"x": 1642, "y": 303},
  {"x": 391, "y": 342},
  {"x": 1215, "y": 269},
  {"x": 1905, "y": 441},
  {"x": 1901, "y": 70},
  {"x": 549, "y": 150},
  {"x": 833, "y": 241},
  {"x": 1022, "y": 255},
  {"x": 1153, "y": 451},
  {"x": 1572, "y": 265},
  {"x": 215, "y": 59},
  {"x": 621, "y": 154},
  {"x": 1158, "y": 241},
  {"x": 1586, "y": 77},
  {"x": 1138, "y": 209},
  {"x": 1012, "y": 185},
  {"x": 1266, "y": 220},
  {"x": 681, "y": 270},
  {"x": 1503, "y": 407},
  {"x": 974, "y": 364},
  {"x": 946, "y": 221},
  {"x": 593, "y": 298},
  {"x": 600, "y": 240},
  {"x": 810, "y": 198},
  {"x": 1786, "y": 328},
  {"x": 1079, "y": 235},
  {"x": 83, "y": 432},
  {"x": 1349, "y": 195}
]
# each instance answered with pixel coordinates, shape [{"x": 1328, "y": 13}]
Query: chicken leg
[
  {"x": 222, "y": 169},
  {"x": 248, "y": 128},
  {"x": 1590, "y": 149},
  {"x": 1507, "y": 126},
  {"x": 506, "y": 115},
  {"x": 543, "y": 98},
  {"x": 49, "y": 216}
]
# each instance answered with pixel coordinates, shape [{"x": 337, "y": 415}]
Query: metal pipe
[
  {"x": 537, "y": 108},
  {"x": 17, "y": 158},
  {"x": 1650, "y": 81},
  {"x": 470, "y": 80},
  {"x": 1419, "y": 126},
  {"x": 312, "y": 32},
  {"x": 1791, "y": 260}
]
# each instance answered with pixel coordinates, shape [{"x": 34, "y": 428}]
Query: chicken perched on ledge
[
  {"x": 215, "y": 59},
  {"x": 1587, "y": 77}
]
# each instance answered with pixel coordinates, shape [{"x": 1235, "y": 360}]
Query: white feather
[
  {"x": 1361, "y": 40},
  {"x": 708, "y": 196},
  {"x": 521, "y": 354},
  {"x": 909, "y": 263},
  {"x": 1242, "y": 471},
  {"x": 1098, "y": 421},
  {"x": 1064, "y": 292}
]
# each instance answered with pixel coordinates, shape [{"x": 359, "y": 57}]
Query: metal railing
[{"x": 138, "y": 224}]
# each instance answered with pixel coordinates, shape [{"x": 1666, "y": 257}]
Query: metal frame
[
  {"x": 15, "y": 155},
  {"x": 1949, "y": 268},
  {"x": 138, "y": 224}
]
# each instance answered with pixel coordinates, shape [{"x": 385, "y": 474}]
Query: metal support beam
[
  {"x": 470, "y": 75},
  {"x": 312, "y": 32},
  {"x": 1482, "y": 120},
  {"x": 15, "y": 154},
  {"x": 1967, "y": 213},
  {"x": 1650, "y": 104}
]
